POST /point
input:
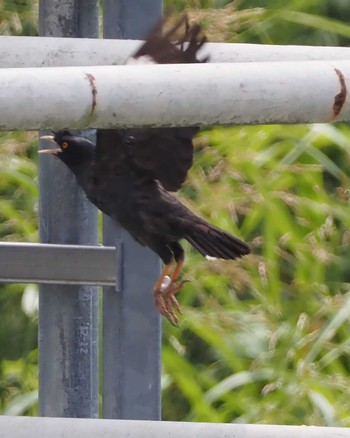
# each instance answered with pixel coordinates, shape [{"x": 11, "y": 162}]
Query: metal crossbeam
[
  {"x": 57, "y": 264},
  {"x": 175, "y": 95},
  {"x": 24, "y": 427}
]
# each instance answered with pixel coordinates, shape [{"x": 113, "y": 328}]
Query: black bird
[{"x": 129, "y": 173}]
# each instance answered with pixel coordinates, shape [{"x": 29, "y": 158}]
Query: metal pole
[
  {"x": 131, "y": 325},
  {"x": 17, "y": 51},
  {"x": 68, "y": 353}
]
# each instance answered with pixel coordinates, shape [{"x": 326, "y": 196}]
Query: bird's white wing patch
[
  {"x": 211, "y": 259},
  {"x": 140, "y": 60}
]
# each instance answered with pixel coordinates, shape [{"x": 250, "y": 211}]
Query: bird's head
[{"x": 72, "y": 150}]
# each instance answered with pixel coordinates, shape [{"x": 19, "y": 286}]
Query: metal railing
[
  {"x": 24, "y": 427},
  {"x": 69, "y": 264},
  {"x": 59, "y": 264},
  {"x": 224, "y": 93}
]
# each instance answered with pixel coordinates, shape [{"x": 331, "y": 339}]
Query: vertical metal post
[
  {"x": 131, "y": 324},
  {"x": 68, "y": 335}
]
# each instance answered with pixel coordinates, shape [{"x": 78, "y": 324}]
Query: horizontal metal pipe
[
  {"x": 54, "y": 52},
  {"x": 29, "y": 427},
  {"x": 174, "y": 95},
  {"x": 58, "y": 264}
]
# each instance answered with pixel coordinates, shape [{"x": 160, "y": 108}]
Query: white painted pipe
[
  {"x": 54, "y": 52},
  {"x": 174, "y": 95},
  {"x": 30, "y": 427}
]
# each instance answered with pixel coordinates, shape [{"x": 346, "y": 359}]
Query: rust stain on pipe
[
  {"x": 340, "y": 98},
  {"x": 91, "y": 80}
]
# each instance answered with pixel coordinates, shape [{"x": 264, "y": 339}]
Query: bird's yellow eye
[{"x": 64, "y": 145}]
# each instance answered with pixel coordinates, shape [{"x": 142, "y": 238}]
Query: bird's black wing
[
  {"x": 163, "y": 154},
  {"x": 177, "y": 45}
]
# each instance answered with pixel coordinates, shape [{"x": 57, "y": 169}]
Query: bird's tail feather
[{"x": 213, "y": 242}]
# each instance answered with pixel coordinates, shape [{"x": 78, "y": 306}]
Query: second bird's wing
[{"x": 177, "y": 45}]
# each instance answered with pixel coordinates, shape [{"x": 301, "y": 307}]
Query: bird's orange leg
[
  {"x": 168, "y": 293},
  {"x": 165, "y": 290},
  {"x": 177, "y": 271},
  {"x": 158, "y": 291}
]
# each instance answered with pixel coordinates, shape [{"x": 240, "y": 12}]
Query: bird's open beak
[
  {"x": 47, "y": 137},
  {"x": 49, "y": 151}
]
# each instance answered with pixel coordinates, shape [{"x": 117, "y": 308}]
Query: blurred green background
[{"x": 262, "y": 340}]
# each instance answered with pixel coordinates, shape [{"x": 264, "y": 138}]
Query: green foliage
[
  {"x": 18, "y": 222},
  {"x": 180, "y": 5},
  {"x": 19, "y": 17},
  {"x": 264, "y": 339},
  {"x": 18, "y": 188},
  {"x": 313, "y": 22},
  {"x": 18, "y": 385},
  {"x": 269, "y": 331}
]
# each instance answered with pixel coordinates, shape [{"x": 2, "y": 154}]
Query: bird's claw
[{"x": 167, "y": 303}]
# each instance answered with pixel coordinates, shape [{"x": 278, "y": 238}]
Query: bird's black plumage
[{"x": 130, "y": 172}]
